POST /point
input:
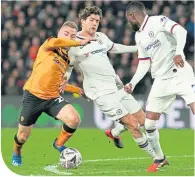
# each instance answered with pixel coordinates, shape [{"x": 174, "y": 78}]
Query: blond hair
[{"x": 70, "y": 24}]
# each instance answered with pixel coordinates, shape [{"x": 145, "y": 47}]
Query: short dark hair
[
  {"x": 89, "y": 11},
  {"x": 70, "y": 24},
  {"x": 135, "y": 6}
]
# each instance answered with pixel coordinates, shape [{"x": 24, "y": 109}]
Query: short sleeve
[
  {"x": 167, "y": 24},
  {"x": 108, "y": 42}
]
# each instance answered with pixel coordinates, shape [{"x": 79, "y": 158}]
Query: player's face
[
  {"x": 67, "y": 32},
  {"x": 90, "y": 25},
  {"x": 134, "y": 25}
]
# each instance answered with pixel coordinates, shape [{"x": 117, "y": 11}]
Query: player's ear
[{"x": 82, "y": 21}]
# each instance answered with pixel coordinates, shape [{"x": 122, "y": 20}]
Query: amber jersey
[{"x": 49, "y": 68}]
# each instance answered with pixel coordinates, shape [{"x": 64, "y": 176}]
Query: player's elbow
[{"x": 180, "y": 31}]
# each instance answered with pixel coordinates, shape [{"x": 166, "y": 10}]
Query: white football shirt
[
  {"x": 98, "y": 72},
  {"x": 156, "y": 42}
]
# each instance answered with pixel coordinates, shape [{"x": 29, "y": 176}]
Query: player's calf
[
  {"x": 131, "y": 123},
  {"x": 19, "y": 140},
  {"x": 71, "y": 120},
  {"x": 140, "y": 116}
]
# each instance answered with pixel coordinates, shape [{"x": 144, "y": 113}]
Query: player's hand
[
  {"x": 82, "y": 93},
  {"x": 87, "y": 40},
  {"x": 178, "y": 61},
  {"x": 62, "y": 86},
  {"x": 128, "y": 88}
]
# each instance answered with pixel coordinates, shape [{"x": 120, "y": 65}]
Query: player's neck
[{"x": 85, "y": 34}]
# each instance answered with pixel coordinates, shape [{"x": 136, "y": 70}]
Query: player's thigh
[
  {"x": 111, "y": 106},
  {"x": 186, "y": 89},
  {"x": 132, "y": 106},
  {"x": 129, "y": 102},
  {"x": 32, "y": 107},
  {"x": 60, "y": 109},
  {"x": 159, "y": 104}
]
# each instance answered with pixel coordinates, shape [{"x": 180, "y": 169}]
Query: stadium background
[{"x": 25, "y": 25}]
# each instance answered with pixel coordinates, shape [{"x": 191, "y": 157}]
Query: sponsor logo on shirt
[
  {"x": 55, "y": 59},
  {"x": 153, "y": 45},
  {"x": 103, "y": 51}
]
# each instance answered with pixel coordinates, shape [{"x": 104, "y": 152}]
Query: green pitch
[{"x": 100, "y": 156}]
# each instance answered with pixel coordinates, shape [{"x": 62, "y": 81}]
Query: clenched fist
[
  {"x": 178, "y": 61},
  {"x": 128, "y": 88}
]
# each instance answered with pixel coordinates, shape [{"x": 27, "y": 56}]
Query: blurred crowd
[{"x": 25, "y": 25}]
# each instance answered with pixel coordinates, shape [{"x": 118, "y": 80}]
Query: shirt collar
[{"x": 144, "y": 23}]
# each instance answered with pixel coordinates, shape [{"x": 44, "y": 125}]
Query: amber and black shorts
[{"x": 32, "y": 108}]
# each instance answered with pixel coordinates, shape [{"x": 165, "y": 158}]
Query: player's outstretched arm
[
  {"x": 142, "y": 69},
  {"x": 77, "y": 90},
  {"x": 53, "y": 43},
  {"x": 120, "y": 48},
  {"x": 72, "y": 89}
]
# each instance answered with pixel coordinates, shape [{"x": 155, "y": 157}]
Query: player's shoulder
[
  {"x": 159, "y": 18},
  {"x": 100, "y": 35}
]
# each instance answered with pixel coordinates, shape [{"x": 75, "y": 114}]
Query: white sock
[
  {"x": 118, "y": 129},
  {"x": 152, "y": 134},
  {"x": 143, "y": 143}
]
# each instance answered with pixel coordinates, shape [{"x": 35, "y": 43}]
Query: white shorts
[
  {"x": 117, "y": 105},
  {"x": 163, "y": 93}
]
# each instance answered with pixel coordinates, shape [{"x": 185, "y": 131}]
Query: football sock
[
  {"x": 65, "y": 134},
  {"x": 143, "y": 143},
  {"x": 17, "y": 145},
  {"x": 118, "y": 129},
  {"x": 152, "y": 134}
]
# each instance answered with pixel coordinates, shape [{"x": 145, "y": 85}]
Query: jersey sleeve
[
  {"x": 53, "y": 42},
  {"x": 72, "y": 89},
  {"x": 108, "y": 42},
  {"x": 167, "y": 24}
]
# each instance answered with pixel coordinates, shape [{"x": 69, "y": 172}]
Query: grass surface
[{"x": 100, "y": 156}]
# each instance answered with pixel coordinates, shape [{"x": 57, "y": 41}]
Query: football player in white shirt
[
  {"x": 100, "y": 78},
  {"x": 160, "y": 43}
]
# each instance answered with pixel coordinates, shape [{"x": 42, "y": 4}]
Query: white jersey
[
  {"x": 155, "y": 41},
  {"x": 92, "y": 59}
]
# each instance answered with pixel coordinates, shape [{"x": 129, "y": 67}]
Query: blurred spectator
[
  {"x": 27, "y": 24},
  {"x": 33, "y": 50},
  {"x": 11, "y": 87},
  {"x": 190, "y": 26}
]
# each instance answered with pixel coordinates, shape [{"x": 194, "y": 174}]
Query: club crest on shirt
[
  {"x": 151, "y": 34},
  {"x": 100, "y": 42},
  {"x": 119, "y": 112}
]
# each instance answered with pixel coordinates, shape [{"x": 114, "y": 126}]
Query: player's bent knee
[
  {"x": 23, "y": 136},
  {"x": 152, "y": 115},
  {"x": 131, "y": 123},
  {"x": 23, "y": 132},
  {"x": 69, "y": 116},
  {"x": 140, "y": 116}
]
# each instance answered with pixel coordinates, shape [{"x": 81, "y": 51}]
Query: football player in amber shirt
[{"x": 42, "y": 90}]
